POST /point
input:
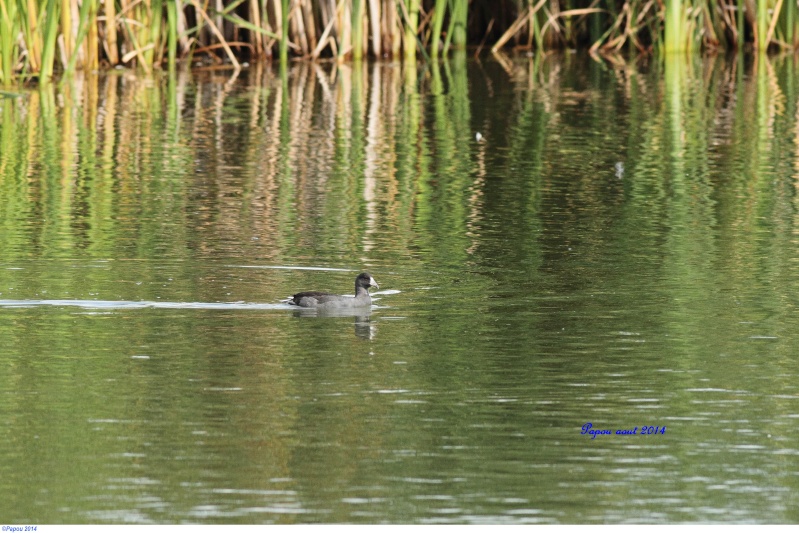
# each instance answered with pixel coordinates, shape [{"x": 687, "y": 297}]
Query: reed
[
  {"x": 791, "y": 24},
  {"x": 66, "y": 30},
  {"x": 762, "y": 21},
  {"x": 410, "y": 12},
  {"x": 29, "y": 21},
  {"x": 172, "y": 33},
  {"x": 49, "y": 40},
  {"x": 39, "y": 38},
  {"x": 438, "y": 25},
  {"x": 284, "y": 31},
  {"x": 357, "y": 29},
  {"x": 9, "y": 28},
  {"x": 460, "y": 12},
  {"x": 675, "y": 28},
  {"x": 374, "y": 26},
  {"x": 110, "y": 32}
]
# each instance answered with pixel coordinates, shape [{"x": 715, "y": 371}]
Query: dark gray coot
[{"x": 326, "y": 300}]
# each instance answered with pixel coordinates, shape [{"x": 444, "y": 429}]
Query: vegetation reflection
[{"x": 384, "y": 162}]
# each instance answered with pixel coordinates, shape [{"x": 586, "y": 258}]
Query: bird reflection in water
[{"x": 365, "y": 328}]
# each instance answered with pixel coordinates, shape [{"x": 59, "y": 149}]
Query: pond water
[{"x": 558, "y": 241}]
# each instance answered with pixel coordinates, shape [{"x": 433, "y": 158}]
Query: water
[{"x": 617, "y": 247}]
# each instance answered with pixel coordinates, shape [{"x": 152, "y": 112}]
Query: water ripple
[{"x": 126, "y": 304}]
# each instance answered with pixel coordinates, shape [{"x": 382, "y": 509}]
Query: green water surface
[{"x": 618, "y": 246}]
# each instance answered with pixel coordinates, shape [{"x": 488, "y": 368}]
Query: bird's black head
[{"x": 365, "y": 280}]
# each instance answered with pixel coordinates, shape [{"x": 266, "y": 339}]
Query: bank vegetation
[{"x": 41, "y": 37}]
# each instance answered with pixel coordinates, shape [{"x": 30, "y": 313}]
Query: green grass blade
[
  {"x": 50, "y": 36},
  {"x": 235, "y": 19},
  {"x": 438, "y": 25},
  {"x": 9, "y": 28},
  {"x": 172, "y": 33}
]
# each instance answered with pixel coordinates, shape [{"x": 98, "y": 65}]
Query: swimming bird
[{"x": 326, "y": 300}]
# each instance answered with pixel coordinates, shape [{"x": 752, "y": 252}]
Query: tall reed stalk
[
  {"x": 357, "y": 29},
  {"x": 86, "y": 21},
  {"x": 172, "y": 33},
  {"x": 675, "y": 27},
  {"x": 9, "y": 28},
  {"x": 410, "y": 11},
  {"x": 284, "y": 31},
  {"x": 49, "y": 41},
  {"x": 459, "y": 19},
  {"x": 438, "y": 25},
  {"x": 66, "y": 30},
  {"x": 110, "y": 44},
  {"x": 374, "y": 26},
  {"x": 762, "y": 25}
]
